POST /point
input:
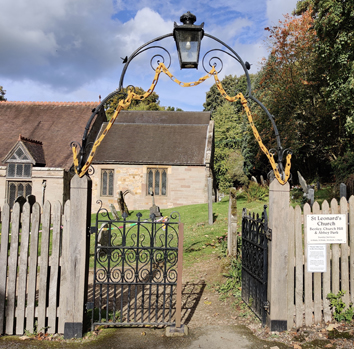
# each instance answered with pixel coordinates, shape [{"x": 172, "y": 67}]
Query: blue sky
[{"x": 69, "y": 50}]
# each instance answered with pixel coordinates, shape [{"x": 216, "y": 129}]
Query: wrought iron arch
[{"x": 127, "y": 60}]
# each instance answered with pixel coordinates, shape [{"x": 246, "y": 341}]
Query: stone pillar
[
  {"x": 77, "y": 244},
  {"x": 232, "y": 224},
  {"x": 210, "y": 201},
  {"x": 279, "y": 201}
]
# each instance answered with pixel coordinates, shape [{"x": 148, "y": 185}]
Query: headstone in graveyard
[
  {"x": 103, "y": 240},
  {"x": 154, "y": 209},
  {"x": 311, "y": 196},
  {"x": 114, "y": 212},
  {"x": 254, "y": 179},
  {"x": 342, "y": 190},
  {"x": 318, "y": 185},
  {"x": 303, "y": 183},
  {"x": 121, "y": 203},
  {"x": 263, "y": 182}
]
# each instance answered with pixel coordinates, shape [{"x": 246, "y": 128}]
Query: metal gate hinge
[{"x": 266, "y": 306}]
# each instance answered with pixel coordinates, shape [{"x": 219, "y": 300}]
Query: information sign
[
  {"x": 316, "y": 258},
  {"x": 327, "y": 229}
]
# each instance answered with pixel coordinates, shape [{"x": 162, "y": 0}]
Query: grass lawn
[{"x": 200, "y": 238}]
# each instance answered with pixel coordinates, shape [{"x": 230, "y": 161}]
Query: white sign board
[
  {"x": 327, "y": 229},
  {"x": 316, "y": 258}
]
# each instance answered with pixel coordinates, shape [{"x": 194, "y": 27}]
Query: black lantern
[{"x": 188, "y": 37}]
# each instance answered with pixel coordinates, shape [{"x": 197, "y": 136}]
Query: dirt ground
[
  {"x": 213, "y": 323},
  {"x": 213, "y": 311}
]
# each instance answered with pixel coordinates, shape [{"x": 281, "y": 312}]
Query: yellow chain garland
[{"x": 124, "y": 104}]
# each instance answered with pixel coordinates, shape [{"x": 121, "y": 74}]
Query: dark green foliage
[
  {"x": 254, "y": 192},
  {"x": 150, "y": 103},
  {"x": 333, "y": 27},
  {"x": 173, "y": 109},
  {"x": 232, "y": 85},
  {"x": 343, "y": 166},
  {"x": 232, "y": 158},
  {"x": 2, "y": 94},
  {"x": 228, "y": 159}
]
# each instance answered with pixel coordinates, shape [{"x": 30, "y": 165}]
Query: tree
[
  {"x": 228, "y": 159},
  {"x": 232, "y": 159},
  {"x": 232, "y": 85},
  {"x": 173, "y": 109},
  {"x": 334, "y": 28},
  {"x": 2, "y": 94},
  {"x": 150, "y": 103},
  {"x": 292, "y": 87}
]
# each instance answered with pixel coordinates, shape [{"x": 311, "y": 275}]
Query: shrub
[{"x": 254, "y": 192}]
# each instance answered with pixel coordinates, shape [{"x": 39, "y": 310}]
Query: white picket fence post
[
  {"x": 24, "y": 272},
  {"x": 316, "y": 307}
]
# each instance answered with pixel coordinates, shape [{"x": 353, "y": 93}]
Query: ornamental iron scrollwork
[
  {"x": 135, "y": 269},
  {"x": 83, "y": 158},
  {"x": 255, "y": 236}
]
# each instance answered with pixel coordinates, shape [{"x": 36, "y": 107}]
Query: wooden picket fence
[
  {"x": 307, "y": 292},
  {"x": 31, "y": 268}
]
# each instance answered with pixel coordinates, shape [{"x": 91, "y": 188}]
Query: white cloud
[
  {"x": 70, "y": 50},
  {"x": 145, "y": 26}
]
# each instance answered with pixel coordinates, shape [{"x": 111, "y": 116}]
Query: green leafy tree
[
  {"x": 292, "y": 87},
  {"x": 150, "y": 103},
  {"x": 173, "y": 109},
  {"x": 232, "y": 160},
  {"x": 334, "y": 28},
  {"x": 2, "y": 94},
  {"x": 228, "y": 159},
  {"x": 232, "y": 85}
]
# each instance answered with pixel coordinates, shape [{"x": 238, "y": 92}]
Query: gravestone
[
  {"x": 154, "y": 210},
  {"x": 303, "y": 183},
  {"x": 114, "y": 212},
  {"x": 121, "y": 203},
  {"x": 254, "y": 179},
  {"x": 311, "y": 196},
  {"x": 342, "y": 191},
  {"x": 263, "y": 182},
  {"x": 103, "y": 240}
]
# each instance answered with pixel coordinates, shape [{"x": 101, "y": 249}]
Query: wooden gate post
[
  {"x": 279, "y": 199},
  {"x": 76, "y": 265}
]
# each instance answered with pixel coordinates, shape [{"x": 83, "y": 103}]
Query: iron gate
[
  {"x": 255, "y": 236},
  {"x": 137, "y": 276}
]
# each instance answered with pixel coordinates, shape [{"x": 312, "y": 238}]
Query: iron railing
[{"x": 255, "y": 236}]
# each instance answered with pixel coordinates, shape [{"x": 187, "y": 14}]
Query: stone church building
[
  {"x": 167, "y": 154},
  {"x": 35, "y": 152}
]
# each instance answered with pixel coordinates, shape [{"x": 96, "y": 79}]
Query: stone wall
[{"x": 186, "y": 185}]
